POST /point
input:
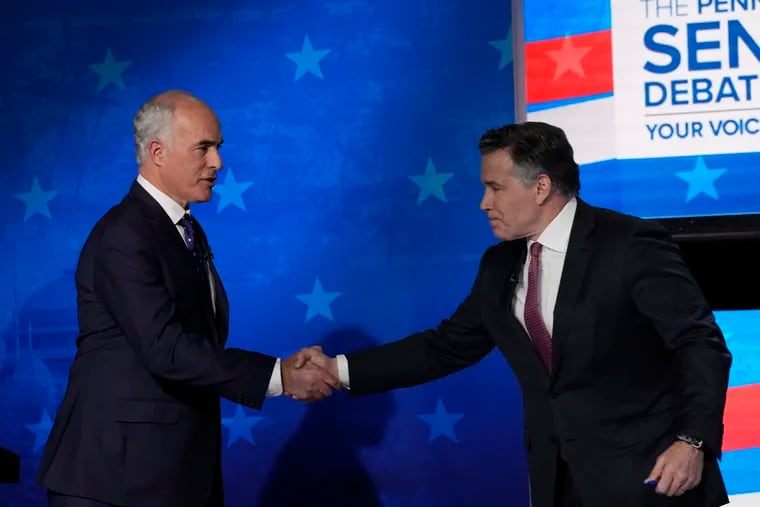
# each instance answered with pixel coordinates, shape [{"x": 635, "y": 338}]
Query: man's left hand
[{"x": 678, "y": 469}]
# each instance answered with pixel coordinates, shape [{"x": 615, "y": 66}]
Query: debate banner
[{"x": 686, "y": 77}]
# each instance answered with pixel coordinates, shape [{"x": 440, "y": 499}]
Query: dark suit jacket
[
  {"x": 637, "y": 357},
  {"x": 140, "y": 423}
]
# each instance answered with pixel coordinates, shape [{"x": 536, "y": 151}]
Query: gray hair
[{"x": 152, "y": 121}]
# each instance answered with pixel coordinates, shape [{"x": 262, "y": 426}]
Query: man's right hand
[
  {"x": 316, "y": 356},
  {"x": 307, "y": 375}
]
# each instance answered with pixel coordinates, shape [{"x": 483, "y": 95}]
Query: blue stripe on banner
[
  {"x": 556, "y": 18},
  {"x": 652, "y": 188},
  {"x": 542, "y": 106},
  {"x": 743, "y": 339},
  {"x": 741, "y": 471}
]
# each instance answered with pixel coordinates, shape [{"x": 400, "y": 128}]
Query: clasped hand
[{"x": 309, "y": 375}]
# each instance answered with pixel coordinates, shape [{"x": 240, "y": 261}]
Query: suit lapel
[
  {"x": 573, "y": 273},
  {"x": 173, "y": 247},
  {"x": 170, "y": 242},
  {"x": 221, "y": 313},
  {"x": 513, "y": 264},
  {"x": 222, "y": 306}
]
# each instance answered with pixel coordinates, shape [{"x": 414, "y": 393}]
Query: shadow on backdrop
[
  {"x": 321, "y": 465},
  {"x": 36, "y": 349}
]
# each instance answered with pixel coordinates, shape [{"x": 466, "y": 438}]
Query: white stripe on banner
[
  {"x": 590, "y": 128},
  {"x": 746, "y": 500}
]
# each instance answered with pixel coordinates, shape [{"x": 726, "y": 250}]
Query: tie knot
[{"x": 535, "y": 249}]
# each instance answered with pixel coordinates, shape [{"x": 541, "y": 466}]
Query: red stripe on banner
[
  {"x": 568, "y": 67},
  {"x": 742, "y": 418}
]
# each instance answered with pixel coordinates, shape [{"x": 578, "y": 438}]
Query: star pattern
[
  {"x": 321, "y": 171},
  {"x": 307, "y": 60},
  {"x": 231, "y": 192},
  {"x": 110, "y": 71},
  {"x": 36, "y": 201},
  {"x": 431, "y": 183},
  {"x": 568, "y": 58},
  {"x": 41, "y": 430},
  {"x": 505, "y": 48},
  {"x": 240, "y": 426},
  {"x": 701, "y": 180},
  {"x": 318, "y": 301},
  {"x": 441, "y": 422}
]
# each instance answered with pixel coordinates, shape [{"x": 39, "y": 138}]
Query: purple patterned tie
[
  {"x": 534, "y": 323},
  {"x": 188, "y": 224}
]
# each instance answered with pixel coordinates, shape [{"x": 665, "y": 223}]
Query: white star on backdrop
[
  {"x": 318, "y": 301},
  {"x": 231, "y": 191},
  {"x": 568, "y": 58},
  {"x": 701, "y": 180},
  {"x": 307, "y": 60},
  {"x": 240, "y": 426},
  {"x": 505, "y": 47},
  {"x": 110, "y": 71},
  {"x": 431, "y": 183},
  {"x": 441, "y": 422},
  {"x": 36, "y": 200}
]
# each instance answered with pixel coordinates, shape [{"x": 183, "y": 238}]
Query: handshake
[{"x": 310, "y": 375}]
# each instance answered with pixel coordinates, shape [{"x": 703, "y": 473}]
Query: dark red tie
[{"x": 534, "y": 323}]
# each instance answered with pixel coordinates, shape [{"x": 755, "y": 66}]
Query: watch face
[{"x": 691, "y": 440}]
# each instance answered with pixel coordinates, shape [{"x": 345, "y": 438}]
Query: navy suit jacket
[
  {"x": 637, "y": 358},
  {"x": 140, "y": 423}
]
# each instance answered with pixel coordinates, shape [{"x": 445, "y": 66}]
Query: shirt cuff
[
  {"x": 343, "y": 371},
  {"x": 275, "y": 381}
]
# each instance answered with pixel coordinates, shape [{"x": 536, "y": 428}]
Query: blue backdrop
[{"x": 347, "y": 215}]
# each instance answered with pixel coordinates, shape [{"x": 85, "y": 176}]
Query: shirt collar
[
  {"x": 556, "y": 236},
  {"x": 169, "y": 205}
]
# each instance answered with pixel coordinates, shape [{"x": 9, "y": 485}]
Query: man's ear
[
  {"x": 157, "y": 152},
  {"x": 543, "y": 188}
]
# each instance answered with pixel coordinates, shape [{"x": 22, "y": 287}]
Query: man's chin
[
  {"x": 499, "y": 234},
  {"x": 204, "y": 197}
]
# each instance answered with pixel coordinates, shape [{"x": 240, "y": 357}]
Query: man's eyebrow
[{"x": 207, "y": 142}]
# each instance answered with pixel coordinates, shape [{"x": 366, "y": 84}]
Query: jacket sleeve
[
  {"x": 456, "y": 343},
  {"x": 666, "y": 294},
  {"x": 129, "y": 281}
]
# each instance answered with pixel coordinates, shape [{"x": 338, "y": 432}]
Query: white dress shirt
[
  {"x": 176, "y": 212},
  {"x": 555, "y": 239}
]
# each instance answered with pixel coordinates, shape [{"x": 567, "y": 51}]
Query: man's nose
[
  {"x": 214, "y": 159},
  {"x": 485, "y": 202}
]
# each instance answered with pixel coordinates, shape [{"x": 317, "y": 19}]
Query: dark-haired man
[{"x": 622, "y": 367}]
